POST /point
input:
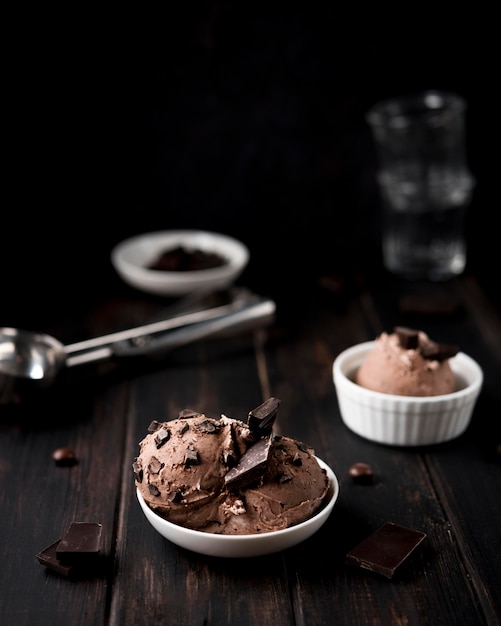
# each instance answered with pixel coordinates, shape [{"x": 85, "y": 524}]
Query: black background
[{"x": 246, "y": 119}]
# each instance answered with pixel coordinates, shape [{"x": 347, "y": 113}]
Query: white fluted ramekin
[{"x": 405, "y": 420}]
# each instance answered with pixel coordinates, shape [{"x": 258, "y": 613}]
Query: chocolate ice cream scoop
[
  {"x": 226, "y": 476},
  {"x": 408, "y": 363}
]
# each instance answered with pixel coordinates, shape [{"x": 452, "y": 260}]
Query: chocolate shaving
[
  {"x": 262, "y": 417},
  {"x": 251, "y": 466},
  {"x": 174, "y": 496},
  {"x": 439, "y": 351},
  {"x": 408, "y": 337},
  {"x": 161, "y": 437}
]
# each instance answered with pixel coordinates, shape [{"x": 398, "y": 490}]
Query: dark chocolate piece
[
  {"x": 361, "y": 473},
  {"x": 154, "y": 426},
  {"x": 181, "y": 259},
  {"x": 64, "y": 457},
  {"x": 48, "y": 558},
  {"x": 188, "y": 413},
  {"x": 408, "y": 337},
  {"x": 386, "y": 549},
  {"x": 209, "y": 427},
  {"x": 137, "y": 468},
  {"x": 251, "y": 466},
  {"x": 81, "y": 540},
  {"x": 155, "y": 465},
  {"x": 154, "y": 490},
  {"x": 162, "y": 436},
  {"x": 191, "y": 457},
  {"x": 439, "y": 351},
  {"x": 262, "y": 417}
]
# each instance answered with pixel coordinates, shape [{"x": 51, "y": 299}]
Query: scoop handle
[{"x": 250, "y": 316}]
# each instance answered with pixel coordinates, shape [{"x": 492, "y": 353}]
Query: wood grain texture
[{"x": 450, "y": 491}]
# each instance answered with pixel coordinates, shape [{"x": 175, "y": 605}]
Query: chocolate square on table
[
  {"x": 82, "y": 540},
  {"x": 386, "y": 549},
  {"x": 48, "y": 558}
]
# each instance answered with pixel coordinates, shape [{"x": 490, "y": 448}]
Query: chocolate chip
[
  {"x": 439, "y": 351},
  {"x": 183, "y": 428},
  {"x": 154, "y": 426},
  {"x": 153, "y": 489},
  {"x": 361, "y": 473},
  {"x": 285, "y": 477},
  {"x": 155, "y": 465},
  {"x": 191, "y": 457},
  {"x": 161, "y": 437},
  {"x": 138, "y": 470},
  {"x": 408, "y": 337},
  {"x": 209, "y": 427},
  {"x": 64, "y": 457}
]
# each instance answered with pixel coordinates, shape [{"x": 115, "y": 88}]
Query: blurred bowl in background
[{"x": 133, "y": 258}]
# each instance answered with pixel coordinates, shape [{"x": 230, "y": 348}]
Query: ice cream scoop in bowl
[
  {"x": 405, "y": 420},
  {"x": 248, "y": 545},
  {"x": 231, "y": 488}
]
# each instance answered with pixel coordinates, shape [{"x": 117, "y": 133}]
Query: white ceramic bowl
[
  {"x": 131, "y": 257},
  {"x": 405, "y": 420},
  {"x": 238, "y": 546}
]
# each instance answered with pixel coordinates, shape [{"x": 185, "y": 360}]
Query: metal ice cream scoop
[{"x": 34, "y": 360}]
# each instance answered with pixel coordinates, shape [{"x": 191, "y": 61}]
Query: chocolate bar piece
[
  {"x": 48, "y": 558},
  {"x": 251, "y": 466},
  {"x": 386, "y": 549},
  {"x": 81, "y": 540},
  {"x": 439, "y": 351},
  {"x": 262, "y": 417},
  {"x": 408, "y": 337}
]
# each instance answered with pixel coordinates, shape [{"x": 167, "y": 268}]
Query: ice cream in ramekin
[{"x": 405, "y": 389}]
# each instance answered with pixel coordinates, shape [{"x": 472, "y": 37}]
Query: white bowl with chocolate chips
[
  {"x": 229, "y": 488},
  {"x": 404, "y": 389},
  {"x": 178, "y": 262}
]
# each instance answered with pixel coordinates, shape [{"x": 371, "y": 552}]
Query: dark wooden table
[{"x": 452, "y": 492}]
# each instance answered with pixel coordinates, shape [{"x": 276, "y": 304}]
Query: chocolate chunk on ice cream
[
  {"x": 408, "y": 363},
  {"x": 220, "y": 476}
]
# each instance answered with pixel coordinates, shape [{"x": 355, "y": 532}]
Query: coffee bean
[
  {"x": 64, "y": 457},
  {"x": 361, "y": 473}
]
